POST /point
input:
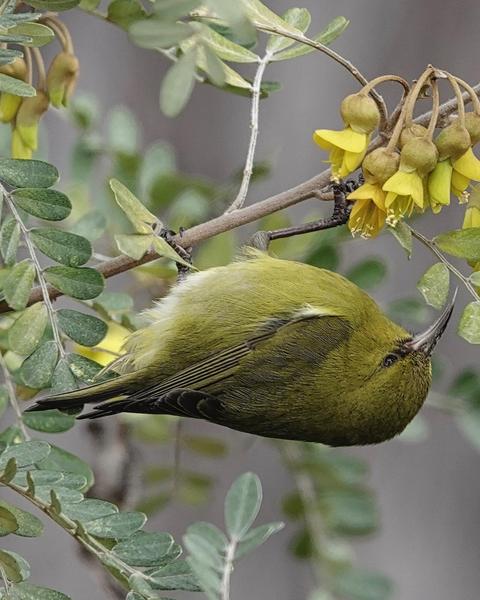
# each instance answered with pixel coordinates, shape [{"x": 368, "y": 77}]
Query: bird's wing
[{"x": 170, "y": 395}]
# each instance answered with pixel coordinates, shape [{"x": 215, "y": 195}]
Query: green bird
[{"x": 271, "y": 347}]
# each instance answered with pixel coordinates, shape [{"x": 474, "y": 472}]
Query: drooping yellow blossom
[
  {"x": 9, "y": 103},
  {"x": 466, "y": 168},
  {"x": 61, "y": 78},
  {"x": 405, "y": 189},
  {"x": 472, "y": 211},
  {"x": 369, "y": 213},
  {"x": 347, "y": 147},
  {"x": 25, "y": 132}
]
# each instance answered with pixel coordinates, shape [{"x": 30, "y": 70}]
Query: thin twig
[
  {"x": 248, "y": 169},
  {"x": 228, "y": 568},
  {"x": 12, "y": 397},
  {"x": 248, "y": 214},
  {"x": 430, "y": 244},
  {"x": 45, "y": 293}
]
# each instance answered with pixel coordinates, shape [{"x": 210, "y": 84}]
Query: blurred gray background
[{"x": 429, "y": 493}]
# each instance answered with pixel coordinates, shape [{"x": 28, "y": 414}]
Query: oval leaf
[
  {"x": 116, "y": 526},
  {"x": 64, "y": 247},
  {"x": 139, "y": 216},
  {"x": 22, "y": 173},
  {"x": 242, "y": 504},
  {"x": 464, "y": 243},
  {"x": 18, "y": 284},
  {"x": 144, "y": 549},
  {"x": 27, "y": 525},
  {"x": 178, "y": 84},
  {"x": 16, "y": 87},
  {"x": 469, "y": 326},
  {"x": 434, "y": 285},
  {"x": 82, "y": 283},
  {"x": 37, "y": 370},
  {"x": 38, "y": 33},
  {"x": 83, "y": 329},
  {"x": 50, "y": 205},
  {"x": 27, "y": 331}
]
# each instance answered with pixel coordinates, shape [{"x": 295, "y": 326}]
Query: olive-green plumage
[{"x": 270, "y": 347}]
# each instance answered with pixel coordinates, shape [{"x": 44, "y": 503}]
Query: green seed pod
[
  {"x": 419, "y": 154},
  {"x": 452, "y": 141},
  {"x": 413, "y": 132},
  {"x": 472, "y": 125},
  {"x": 380, "y": 165},
  {"x": 360, "y": 111}
]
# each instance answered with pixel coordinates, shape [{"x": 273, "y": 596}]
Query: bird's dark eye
[{"x": 389, "y": 360}]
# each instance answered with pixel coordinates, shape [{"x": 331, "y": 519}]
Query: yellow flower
[
  {"x": 347, "y": 148},
  {"x": 439, "y": 185},
  {"x": 9, "y": 104},
  {"x": 368, "y": 213},
  {"x": 405, "y": 188},
  {"x": 465, "y": 169},
  {"x": 109, "y": 348},
  {"x": 404, "y": 192},
  {"x": 472, "y": 212},
  {"x": 25, "y": 132}
]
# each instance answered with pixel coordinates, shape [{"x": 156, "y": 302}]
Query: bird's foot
[{"x": 185, "y": 253}]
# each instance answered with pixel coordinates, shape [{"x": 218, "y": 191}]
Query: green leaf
[
  {"x": 89, "y": 509},
  {"x": 27, "y": 591},
  {"x": 141, "y": 218},
  {"x": 27, "y": 524},
  {"x": 349, "y": 512},
  {"x": 172, "y": 10},
  {"x": 144, "y": 549},
  {"x": 174, "y": 576},
  {"x": 63, "y": 379},
  {"x": 469, "y": 326},
  {"x": 48, "y": 421},
  {"x": 299, "y": 18},
  {"x": 358, "y": 584},
  {"x": 213, "y": 66},
  {"x": 178, "y": 84},
  {"x": 62, "y": 246},
  {"x": 212, "y": 534},
  {"x": 26, "y": 453},
  {"x": 61, "y": 460},
  {"x": 84, "y": 368},
  {"x": 263, "y": 16},
  {"x": 226, "y": 49},
  {"x": 9, "y": 239},
  {"x": 27, "y": 331},
  {"x": 475, "y": 278},
  {"x": 83, "y": 329},
  {"x": 134, "y": 245},
  {"x": 22, "y": 173},
  {"x": 435, "y": 284},
  {"x": 154, "y": 33},
  {"x": 211, "y": 447},
  {"x": 326, "y": 37},
  {"x": 114, "y": 303},
  {"x": 367, "y": 274},
  {"x": 54, "y": 5},
  {"x": 208, "y": 578},
  {"x": 409, "y": 310},
  {"x": 50, "y": 205},
  {"x": 125, "y": 12},
  {"x": 403, "y": 235},
  {"x": 242, "y": 504},
  {"x": 10, "y": 469},
  {"x": 39, "y": 34},
  {"x": 203, "y": 551},
  {"x": 256, "y": 537},
  {"x": 91, "y": 226},
  {"x": 37, "y": 370},
  {"x": 3, "y": 399},
  {"x": 123, "y": 131},
  {"x": 82, "y": 283},
  {"x": 16, "y": 87},
  {"x": 14, "y": 566},
  {"x": 164, "y": 249},
  {"x": 8, "y": 522},
  {"x": 116, "y": 526},
  {"x": 464, "y": 243}
]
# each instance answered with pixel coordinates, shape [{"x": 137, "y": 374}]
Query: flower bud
[
  {"x": 25, "y": 133},
  {"x": 380, "y": 165},
  {"x": 9, "y": 103},
  {"x": 61, "y": 78},
  {"x": 413, "y": 132},
  {"x": 452, "y": 141},
  {"x": 360, "y": 112},
  {"x": 472, "y": 124},
  {"x": 419, "y": 154}
]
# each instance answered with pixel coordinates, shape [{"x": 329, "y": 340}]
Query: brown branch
[{"x": 249, "y": 214}]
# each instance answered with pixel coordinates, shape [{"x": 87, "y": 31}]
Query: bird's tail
[{"x": 115, "y": 388}]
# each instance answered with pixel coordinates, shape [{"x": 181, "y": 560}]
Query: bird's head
[{"x": 392, "y": 378}]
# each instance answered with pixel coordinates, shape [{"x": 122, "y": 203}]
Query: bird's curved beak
[{"x": 427, "y": 340}]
